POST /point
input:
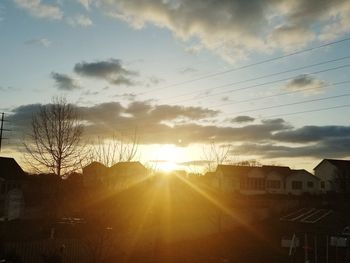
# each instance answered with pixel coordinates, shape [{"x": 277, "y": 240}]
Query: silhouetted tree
[
  {"x": 216, "y": 154},
  {"x": 120, "y": 148},
  {"x": 54, "y": 141}
]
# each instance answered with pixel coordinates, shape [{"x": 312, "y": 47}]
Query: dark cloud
[
  {"x": 312, "y": 134},
  {"x": 65, "y": 82},
  {"x": 270, "y": 138},
  {"x": 309, "y": 84},
  {"x": 21, "y": 117},
  {"x": 329, "y": 148},
  {"x": 241, "y": 119},
  {"x": 111, "y": 71}
]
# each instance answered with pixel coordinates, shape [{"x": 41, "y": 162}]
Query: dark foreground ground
[{"x": 258, "y": 243}]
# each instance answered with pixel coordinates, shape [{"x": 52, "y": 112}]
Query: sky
[{"x": 269, "y": 78}]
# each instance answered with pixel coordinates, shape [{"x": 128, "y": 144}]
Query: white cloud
[
  {"x": 85, "y": 3},
  {"x": 80, "y": 20},
  {"x": 40, "y": 10},
  {"x": 234, "y": 29},
  {"x": 44, "y": 42}
]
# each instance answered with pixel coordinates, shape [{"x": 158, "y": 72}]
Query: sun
[
  {"x": 168, "y": 156},
  {"x": 167, "y": 166}
]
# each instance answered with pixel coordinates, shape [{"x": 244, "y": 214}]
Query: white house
[
  {"x": 328, "y": 171},
  {"x": 265, "y": 180},
  {"x": 300, "y": 182}
]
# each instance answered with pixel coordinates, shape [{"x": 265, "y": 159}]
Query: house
[
  {"x": 95, "y": 174},
  {"x": 276, "y": 178},
  {"x": 300, "y": 182},
  {"x": 11, "y": 175},
  {"x": 125, "y": 174},
  {"x": 11, "y": 179},
  {"x": 332, "y": 173},
  {"x": 253, "y": 180}
]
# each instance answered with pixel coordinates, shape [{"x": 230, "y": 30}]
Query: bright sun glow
[
  {"x": 167, "y": 166},
  {"x": 168, "y": 156}
]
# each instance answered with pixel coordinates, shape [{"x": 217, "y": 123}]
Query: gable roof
[
  {"x": 283, "y": 170},
  {"x": 127, "y": 166},
  {"x": 232, "y": 169},
  {"x": 343, "y": 165},
  {"x": 293, "y": 171},
  {"x": 95, "y": 164},
  {"x": 242, "y": 170},
  {"x": 10, "y": 169}
]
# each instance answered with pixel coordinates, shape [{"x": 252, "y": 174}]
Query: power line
[
  {"x": 283, "y": 93},
  {"x": 248, "y": 65},
  {"x": 265, "y": 83},
  {"x": 261, "y": 77},
  {"x": 293, "y": 103},
  {"x": 308, "y": 111}
]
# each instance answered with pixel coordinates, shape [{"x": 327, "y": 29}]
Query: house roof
[
  {"x": 304, "y": 171},
  {"x": 242, "y": 170},
  {"x": 234, "y": 169},
  {"x": 283, "y": 170},
  {"x": 10, "y": 170},
  {"x": 127, "y": 166},
  {"x": 343, "y": 165},
  {"x": 95, "y": 164}
]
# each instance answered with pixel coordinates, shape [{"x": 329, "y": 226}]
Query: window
[
  {"x": 310, "y": 184},
  {"x": 323, "y": 184},
  {"x": 253, "y": 184},
  {"x": 297, "y": 185},
  {"x": 274, "y": 184}
]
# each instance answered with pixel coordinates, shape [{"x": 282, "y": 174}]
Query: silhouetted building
[
  {"x": 125, "y": 174},
  {"x": 332, "y": 173},
  {"x": 11, "y": 179},
  {"x": 95, "y": 174}
]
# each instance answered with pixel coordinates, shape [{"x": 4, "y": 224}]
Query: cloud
[
  {"x": 65, "y": 82},
  {"x": 80, "y": 20},
  {"x": 336, "y": 148},
  {"x": 110, "y": 70},
  {"x": 44, "y": 42},
  {"x": 196, "y": 163},
  {"x": 307, "y": 84},
  {"x": 127, "y": 96},
  {"x": 291, "y": 37},
  {"x": 40, "y": 10},
  {"x": 241, "y": 119},
  {"x": 85, "y": 3},
  {"x": 313, "y": 134},
  {"x": 271, "y": 138},
  {"x": 235, "y": 29},
  {"x": 7, "y": 89}
]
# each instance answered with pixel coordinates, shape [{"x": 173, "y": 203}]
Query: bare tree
[
  {"x": 216, "y": 154},
  {"x": 53, "y": 143},
  {"x": 120, "y": 148}
]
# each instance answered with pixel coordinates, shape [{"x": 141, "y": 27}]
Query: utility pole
[{"x": 2, "y": 128}]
